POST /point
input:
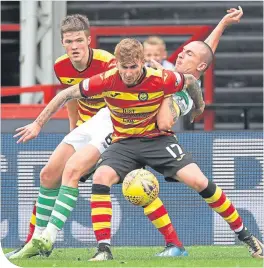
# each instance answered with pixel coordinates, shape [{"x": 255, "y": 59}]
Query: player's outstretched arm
[
  {"x": 32, "y": 130},
  {"x": 234, "y": 15}
]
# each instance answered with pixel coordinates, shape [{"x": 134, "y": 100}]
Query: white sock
[
  {"x": 51, "y": 231},
  {"x": 38, "y": 231}
]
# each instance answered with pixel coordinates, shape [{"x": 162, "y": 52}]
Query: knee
[
  {"x": 71, "y": 173},
  {"x": 106, "y": 176},
  {"x": 46, "y": 177},
  {"x": 200, "y": 184}
]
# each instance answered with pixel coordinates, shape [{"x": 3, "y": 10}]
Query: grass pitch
[{"x": 199, "y": 256}]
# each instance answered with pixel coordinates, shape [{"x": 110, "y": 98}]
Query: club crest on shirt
[{"x": 143, "y": 96}]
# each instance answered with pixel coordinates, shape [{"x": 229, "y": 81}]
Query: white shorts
[
  {"x": 95, "y": 131},
  {"x": 184, "y": 101}
]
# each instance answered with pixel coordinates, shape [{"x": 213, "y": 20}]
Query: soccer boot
[
  {"x": 255, "y": 247},
  {"x": 9, "y": 254},
  {"x": 103, "y": 253},
  {"x": 43, "y": 244},
  {"x": 27, "y": 251},
  {"x": 172, "y": 250}
]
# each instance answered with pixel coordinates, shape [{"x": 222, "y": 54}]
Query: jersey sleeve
[
  {"x": 172, "y": 82},
  {"x": 92, "y": 86},
  {"x": 110, "y": 64}
]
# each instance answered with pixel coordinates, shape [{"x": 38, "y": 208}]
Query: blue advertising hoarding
[{"x": 233, "y": 160}]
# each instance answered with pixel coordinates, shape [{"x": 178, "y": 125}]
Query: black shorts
[{"x": 162, "y": 153}]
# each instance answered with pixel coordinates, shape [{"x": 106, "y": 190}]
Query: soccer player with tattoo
[
  {"x": 152, "y": 216},
  {"x": 79, "y": 63},
  {"x": 136, "y": 143},
  {"x": 153, "y": 99},
  {"x": 80, "y": 149},
  {"x": 194, "y": 60}
]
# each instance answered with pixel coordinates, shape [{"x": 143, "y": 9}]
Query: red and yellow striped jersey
[
  {"x": 99, "y": 61},
  {"x": 134, "y": 109}
]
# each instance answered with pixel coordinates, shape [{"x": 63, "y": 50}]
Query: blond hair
[
  {"x": 155, "y": 41},
  {"x": 75, "y": 23},
  {"x": 129, "y": 50}
]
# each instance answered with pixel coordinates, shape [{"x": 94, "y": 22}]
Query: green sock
[
  {"x": 45, "y": 205},
  {"x": 65, "y": 203}
]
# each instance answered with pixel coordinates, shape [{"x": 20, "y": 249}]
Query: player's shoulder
[
  {"x": 61, "y": 59},
  {"x": 102, "y": 55},
  {"x": 110, "y": 73}
]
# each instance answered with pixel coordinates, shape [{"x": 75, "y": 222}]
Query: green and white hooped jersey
[{"x": 184, "y": 101}]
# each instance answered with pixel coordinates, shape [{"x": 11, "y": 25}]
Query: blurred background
[{"x": 27, "y": 58}]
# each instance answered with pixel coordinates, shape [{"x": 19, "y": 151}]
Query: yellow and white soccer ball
[{"x": 140, "y": 187}]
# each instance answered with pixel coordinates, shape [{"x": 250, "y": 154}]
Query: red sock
[
  {"x": 32, "y": 224},
  {"x": 101, "y": 211},
  {"x": 158, "y": 215},
  {"x": 218, "y": 201}
]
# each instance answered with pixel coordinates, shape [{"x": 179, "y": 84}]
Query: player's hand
[
  {"x": 196, "y": 112},
  {"x": 156, "y": 65},
  {"x": 234, "y": 15},
  {"x": 28, "y": 132}
]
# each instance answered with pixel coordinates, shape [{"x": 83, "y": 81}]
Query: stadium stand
[
  {"x": 239, "y": 57},
  {"x": 10, "y": 49}
]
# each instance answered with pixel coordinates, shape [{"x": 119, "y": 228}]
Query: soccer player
[
  {"x": 162, "y": 230},
  {"x": 68, "y": 195},
  {"x": 80, "y": 62},
  {"x": 80, "y": 149},
  {"x": 137, "y": 142},
  {"x": 194, "y": 60}
]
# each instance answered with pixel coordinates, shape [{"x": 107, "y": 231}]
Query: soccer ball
[{"x": 140, "y": 187}]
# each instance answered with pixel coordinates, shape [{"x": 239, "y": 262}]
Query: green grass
[{"x": 199, "y": 256}]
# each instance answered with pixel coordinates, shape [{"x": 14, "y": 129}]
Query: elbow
[{"x": 165, "y": 125}]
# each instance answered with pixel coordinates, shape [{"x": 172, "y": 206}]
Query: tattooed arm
[
  {"x": 58, "y": 101},
  {"x": 168, "y": 114},
  {"x": 193, "y": 88},
  {"x": 32, "y": 130}
]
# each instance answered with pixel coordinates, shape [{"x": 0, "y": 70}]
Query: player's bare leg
[
  {"x": 50, "y": 180},
  {"x": 79, "y": 164},
  {"x": 66, "y": 202},
  {"x": 213, "y": 195}
]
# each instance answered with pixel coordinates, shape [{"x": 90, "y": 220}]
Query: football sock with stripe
[
  {"x": 101, "y": 211},
  {"x": 65, "y": 203},
  {"x": 217, "y": 200},
  {"x": 45, "y": 205},
  {"x": 32, "y": 223},
  {"x": 158, "y": 215}
]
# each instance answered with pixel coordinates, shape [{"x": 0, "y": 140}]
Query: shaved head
[
  {"x": 206, "y": 53},
  {"x": 194, "y": 59}
]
